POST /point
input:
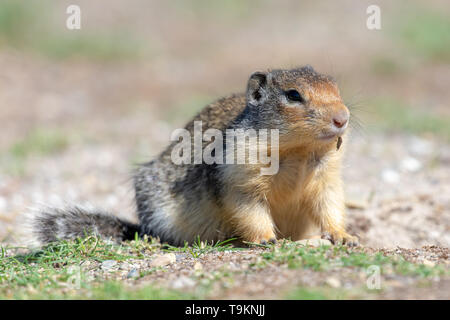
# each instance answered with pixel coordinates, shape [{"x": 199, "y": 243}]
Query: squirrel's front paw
[
  {"x": 267, "y": 239},
  {"x": 341, "y": 238},
  {"x": 271, "y": 240}
]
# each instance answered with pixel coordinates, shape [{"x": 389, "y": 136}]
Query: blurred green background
[{"x": 163, "y": 60}]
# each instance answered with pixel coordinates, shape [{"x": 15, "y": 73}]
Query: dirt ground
[{"x": 113, "y": 114}]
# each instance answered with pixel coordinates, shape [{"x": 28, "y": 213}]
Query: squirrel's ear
[{"x": 256, "y": 88}]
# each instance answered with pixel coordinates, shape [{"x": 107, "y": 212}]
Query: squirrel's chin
[
  {"x": 329, "y": 141},
  {"x": 328, "y": 137}
]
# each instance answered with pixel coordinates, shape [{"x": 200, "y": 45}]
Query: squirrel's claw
[{"x": 344, "y": 239}]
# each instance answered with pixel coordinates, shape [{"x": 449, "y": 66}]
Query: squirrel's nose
[{"x": 341, "y": 119}]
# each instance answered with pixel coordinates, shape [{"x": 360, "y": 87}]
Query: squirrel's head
[{"x": 304, "y": 105}]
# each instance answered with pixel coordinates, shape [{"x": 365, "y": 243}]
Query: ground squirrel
[{"x": 180, "y": 202}]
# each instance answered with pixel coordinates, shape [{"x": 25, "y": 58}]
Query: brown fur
[
  {"x": 305, "y": 198},
  {"x": 179, "y": 203}
]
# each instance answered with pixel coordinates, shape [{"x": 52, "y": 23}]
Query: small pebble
[
  {"x": 428, "y": 263},
  {"x": 180, "y": 256},
  {"x": 314, "y": 242},
  {"x": 164, "y": 260},
  {"x": 411, "y": 164},
  {"x": 108, "y": 264},
  {"x": 390, "y": 176},
  {"x": 182, "y": 282},
  {"x": 333, "y": 282},
  {"x": 421, "y": 147},
  {"x": 198, "y": 266},
  {"x": 133, "y": 274},
  {"x": 3, "y": 204}
]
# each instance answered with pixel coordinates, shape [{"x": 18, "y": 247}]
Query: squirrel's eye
[{"x": 294, "y": 95}]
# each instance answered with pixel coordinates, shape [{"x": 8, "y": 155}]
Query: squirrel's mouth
[
  {"x": 328, "y": 136},
  {"x": 332, "y": 134}
]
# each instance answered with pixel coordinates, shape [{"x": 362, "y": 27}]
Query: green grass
[
  {"x": 199, "y": 248},
  {"x": 235, "y": 10},
  {"x": 57, "y": 272},
  {"x": 14, "y": 19},
  {"x": 49, "y": 267},
  {"x": 28, "y": 26},
  {"x": 386, "y": 66},
  {"x": 63, "y": 270},
  {"x": 100, "y": 47},
  {"x": 306, "y": 294},
  {"x": 186, "y": 108},
  {"x": 117, "y": 291},
  {"x": 109, "y": 290},
  {"x": 391, "y": 114},
  {"x": 39, "y": 142},
  {"x": 425, "y": 32},
  {"x": 326, "y": 258},
  {"x": 298, "y": 256},
  {"x": 302, "y": 293}
]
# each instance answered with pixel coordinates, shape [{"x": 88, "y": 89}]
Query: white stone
[
  {"x": 421, "y": 147},
  {"x": 133, "y": 274},
  {"x": 182, "y": 282},
  {"x": 108, "y": 264},
  {"x": 198, "y": 266},
  {"x": 3, "y": 204},
  {"x": 314, "y": 242},
  {"x": 163, "y": 260},
  {"x": 333, "y": 282},
  {"x": 390, "y": 176},
  {"x": 429, "y": 263},
  {"x": 411, "y": 164}
]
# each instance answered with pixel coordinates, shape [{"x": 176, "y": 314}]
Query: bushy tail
[{"x": 53, "y": 224}]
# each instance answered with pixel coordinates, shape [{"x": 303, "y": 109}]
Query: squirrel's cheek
[{"x": 294, "y": 115}]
